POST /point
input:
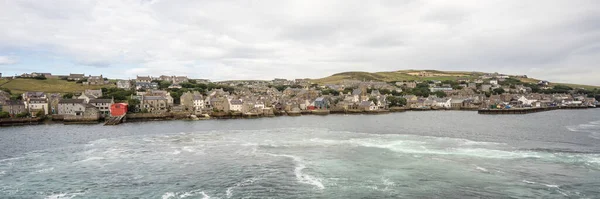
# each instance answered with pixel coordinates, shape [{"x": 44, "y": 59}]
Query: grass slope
[
  {"x": 404, "y": 75},
  {"x": 49, "y": 85},
  {"x": 408, "y": 75}
]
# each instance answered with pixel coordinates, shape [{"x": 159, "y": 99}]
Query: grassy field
[
  {"x": 403, "y": 75},
  {"x": 408, "y": 75},
  {"x": 49, "y": 85}
]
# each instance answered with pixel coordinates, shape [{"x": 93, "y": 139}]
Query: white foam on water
[
  {"x": 481, "y": 168},
  {"x": 168, "y": 195},
  {"x": 46, "y": 170},
  {"x": 528, "y": 182},
  {"x": 10, "y": 159},
  {"x": 301, "y": 177},
  {"x": 188, "y": 149},
  {"x": 229, "y": 192},
  {"x": 63, "y": 195},
  {"x": 551, "y": 185},
  {"x": 204, "y": 196},
  {"x": 90, "y": 159},
  {"x": 563, "y": 193},
  {"x": 2, "y": 173},
  {"x": 176, "y": 152}
]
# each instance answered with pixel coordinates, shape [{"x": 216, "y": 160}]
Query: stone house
[
  {"x": 456, "y": 103},
  {"x": 71, "y": 107},
  {"x": 368, "y": 106},
  {"x": 96, "y": 93},
  {"x": 76, "y": 77},
  {"x": 192, "y": 101},
  {"x": 219, "y": 104},
  {"x": 145, "y": 79},
  {"x": 14, "y": 107},
  {"x": 103, "y": 105},
  {"x": 124, "y": 84},
  {"x": 179, "y": 79},
  {"x": 95, "y": 80},
  {"x": 86, "y": 97},
  {"x": 155, "y": 104}
]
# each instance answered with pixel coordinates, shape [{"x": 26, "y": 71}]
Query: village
[{"x": 180, "y": 97}]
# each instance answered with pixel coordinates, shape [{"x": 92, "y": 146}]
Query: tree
[
  {"x": 498, "y": 91},
  {"x": 396, "y": 101},
  {"x": 67, "y": 96},
  {"x": 132, "y": 104},
  {"x": 373, "y": 99},
  {"x": 4, "y": 114},
  {"x": 440, "y": 94},
  {"x": 16, "y": 97}
]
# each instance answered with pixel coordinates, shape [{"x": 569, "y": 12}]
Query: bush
[
  {"x": 6, "y": 90},
  {"x": 4, "y": 114},
  {"x": 22, "y": 115}
]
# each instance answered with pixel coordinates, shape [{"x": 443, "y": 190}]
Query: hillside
[
  {"x": 49, "y": 85},
  {"x": 419, "y": 75}
]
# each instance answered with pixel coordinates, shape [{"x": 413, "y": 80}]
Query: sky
[{"x": 555, "y": 40}]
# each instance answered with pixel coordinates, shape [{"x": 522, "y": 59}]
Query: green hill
[
  {"x": 419, "y": 75},
  {"x": 20, "y": 85}
]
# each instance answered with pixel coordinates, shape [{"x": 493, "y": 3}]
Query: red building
[{"x": 118, "y": 109}]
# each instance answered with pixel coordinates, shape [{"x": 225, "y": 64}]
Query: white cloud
[
  {"x": 292, "y": 39},
  {"x": 6, "y": 60}
]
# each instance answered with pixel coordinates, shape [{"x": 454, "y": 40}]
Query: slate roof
[
  {"x": 70, "y": 101},
  {"x": 92, "y": 101}
]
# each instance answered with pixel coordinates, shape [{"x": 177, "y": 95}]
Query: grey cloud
[{"x": 266, "y": 39}]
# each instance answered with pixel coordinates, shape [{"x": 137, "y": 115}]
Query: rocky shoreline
[{"x": 144, "y": 117}]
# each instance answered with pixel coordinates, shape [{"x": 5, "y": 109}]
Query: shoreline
[{"x": 149, "y": 117}]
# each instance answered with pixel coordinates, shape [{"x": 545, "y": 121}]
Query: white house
[
  {"x": 38, "y": 104},
  {"x": 259, "y": 105},
  {"x": 526, "y": 101},
  {"x": 494, "y": 82},
  {"x": 443, "y": 103},
  {"x": 235, "y": 105}
]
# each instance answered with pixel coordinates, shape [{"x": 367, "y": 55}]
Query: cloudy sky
[{"x": 554, "y": 40}]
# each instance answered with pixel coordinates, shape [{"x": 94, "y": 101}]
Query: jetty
[{"x": 114, "y": 120}]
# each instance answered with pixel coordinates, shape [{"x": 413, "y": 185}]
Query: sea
[{"x": 436, "y": 154}]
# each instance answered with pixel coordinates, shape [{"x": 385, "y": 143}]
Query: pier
[{"x": 114, "y": 120}]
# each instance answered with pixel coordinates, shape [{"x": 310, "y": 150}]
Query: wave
[
  {"x": 174, "y": 195},
  {"x": 592, "y": 128},
  {"x": 301, "y": 177},
  {"x": 63, "y": 195}
]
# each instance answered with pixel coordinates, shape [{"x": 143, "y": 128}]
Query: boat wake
[{"x": 593, "y": 128}]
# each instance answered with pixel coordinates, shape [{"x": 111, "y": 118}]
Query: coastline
[{"x": 148, "y": 117}]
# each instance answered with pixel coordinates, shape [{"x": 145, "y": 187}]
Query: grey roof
[
  {"x": 32, "y": 100},
  {"x": 34, "y": 94},
  {"x": 356, "y": 92},
  {"x": 76, "y": 75},
  {"x": 198, "y": 97},
  {"x": 70, "y": 101},
  {"x": 365, "y": 104},
  {"x": 320, "y": 99},
  {"x": 14, "y": 102},
  {"x": 236, "y": 102},
  {"x": 154, "y": 98},
  {"x": 101, "y": 101}
]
